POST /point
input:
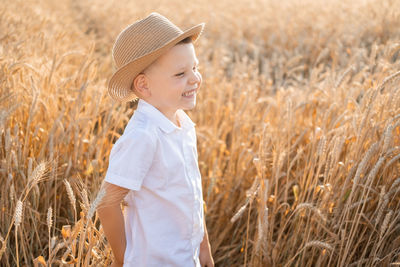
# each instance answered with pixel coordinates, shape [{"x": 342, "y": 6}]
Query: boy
[{"x": 153, "y": 165}]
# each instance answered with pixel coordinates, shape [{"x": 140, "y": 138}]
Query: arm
[
  {"x": 206, "y": 259},
  {"x": 112, "y": 220}
]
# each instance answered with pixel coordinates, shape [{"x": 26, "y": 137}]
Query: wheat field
[{"x": 298, "y": 123}]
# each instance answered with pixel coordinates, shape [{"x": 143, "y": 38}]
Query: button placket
[
  {"x": 194, "y": 182},
  {"x": 190, "y": 176}
]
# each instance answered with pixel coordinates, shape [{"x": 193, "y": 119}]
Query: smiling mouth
[{"x": 190, "y": 93}]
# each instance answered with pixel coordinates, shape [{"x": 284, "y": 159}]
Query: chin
[{"x": 189, "y": 107}]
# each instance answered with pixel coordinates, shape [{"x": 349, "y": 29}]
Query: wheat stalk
[
  {"x": 385, "y": 223},
  {"x": 319, "y": 244},
  {"x": 383, "y": 201},
  {"x": 387, "y": 138},
  {"x": 17, "y": 222},
  {"x": 96, "y": 202},
  {"x": 3, "y": 246},
  {"x": 388, "y": 80},
  {"x": 363, "y": 164},
  {"x": 37, "y": 174},
  {"x": 71, "y": 196},
  {"x": 49, "y": 225},
  {"x": 49, "y": 218},
  {"x": 312, "y": 208},
  {"x": 18, "y": 213},
  {"x": 395, "y": 187}
]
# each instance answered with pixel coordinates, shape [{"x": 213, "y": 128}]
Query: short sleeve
[{"x": 130, "y": 159}]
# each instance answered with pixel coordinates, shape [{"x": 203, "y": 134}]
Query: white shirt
[{"x": 157, "y": 160}]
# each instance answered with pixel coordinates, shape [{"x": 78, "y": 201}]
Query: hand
[
  {"x": 205, "y": 257},
  {"x": 116, "y": 264}
]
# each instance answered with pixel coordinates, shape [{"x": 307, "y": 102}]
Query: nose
[{"x": 196, "y": 78}]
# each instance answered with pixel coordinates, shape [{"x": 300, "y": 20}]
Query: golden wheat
[{"x": 297, "y": 124}]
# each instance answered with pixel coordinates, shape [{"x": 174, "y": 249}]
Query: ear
[{"x": 140, "y": 85}]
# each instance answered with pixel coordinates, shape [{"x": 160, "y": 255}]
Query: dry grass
[{"x": 297, "y": 121}]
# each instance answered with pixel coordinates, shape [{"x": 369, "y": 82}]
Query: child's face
[{"x": 174, "y": 80}]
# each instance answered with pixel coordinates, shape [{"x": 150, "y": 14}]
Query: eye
[{"x": 179, "y": 74}]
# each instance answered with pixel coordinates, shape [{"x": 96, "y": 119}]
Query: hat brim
[{"x": 119, "y": 86}]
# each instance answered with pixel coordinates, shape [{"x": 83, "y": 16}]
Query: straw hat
[{"x": 139, "y": 45}]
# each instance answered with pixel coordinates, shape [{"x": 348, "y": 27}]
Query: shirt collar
[{"x": 161, "y": 120}]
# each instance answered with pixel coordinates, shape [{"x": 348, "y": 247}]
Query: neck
[
  {"x": 172, "y": 115},
  {"x": 174, "y": 118}
]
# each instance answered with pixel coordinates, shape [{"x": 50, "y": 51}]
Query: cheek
[
  {"x": 169, "y": 84},
  {"x": 180, "y": 83},
  {"x": 156, "y": 83}
]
